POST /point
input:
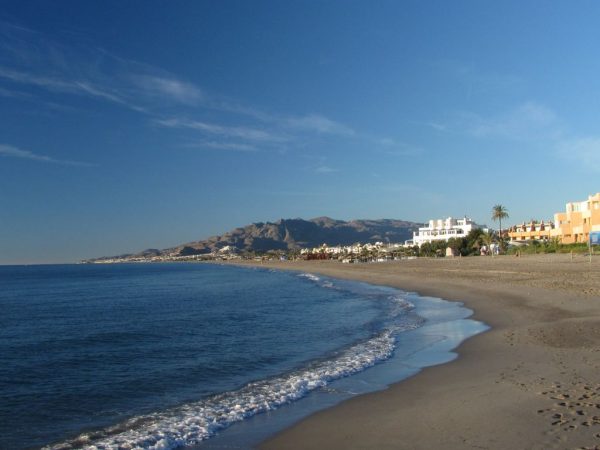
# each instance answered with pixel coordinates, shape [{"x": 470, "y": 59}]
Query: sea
[{"x": 190, "y": 355}]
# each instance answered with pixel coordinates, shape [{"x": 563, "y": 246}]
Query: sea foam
[
  {"x": 197, "y": 421},
  {"x": 310, "y": 276}
]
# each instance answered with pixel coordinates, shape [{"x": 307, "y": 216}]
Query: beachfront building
[
  {"x": 369, "y": 252},
  {"x": 532, "y": 231},
  {"x": 442, "y": 230},
  {"x": 355, "y": 249},
  {"x": 579, "y": 219}
]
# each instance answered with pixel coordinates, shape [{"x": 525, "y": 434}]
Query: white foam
[
  {"x": 310, "y": 276},
  {"x": 194, "y": 422},
  {"x": 197, "y": 421}
]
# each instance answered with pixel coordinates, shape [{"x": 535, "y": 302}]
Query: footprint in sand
[{"x": 573, "y": 416}]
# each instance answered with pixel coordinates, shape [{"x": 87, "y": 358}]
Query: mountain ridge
[{"x": 291, "y": 234}]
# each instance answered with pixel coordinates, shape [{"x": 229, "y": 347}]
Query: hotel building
[
  {"x": 580, "y": 218},
  {"x": 442, "y": 230}
]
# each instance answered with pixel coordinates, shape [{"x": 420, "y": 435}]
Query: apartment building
[
  {"x": 579, "y": 219},
  {"x": 532, "y": 231}
]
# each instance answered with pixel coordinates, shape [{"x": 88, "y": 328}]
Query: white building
[{"x": 442, "y": 230}]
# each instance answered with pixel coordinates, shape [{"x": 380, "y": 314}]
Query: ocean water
[{"x": 167, "y": 356}]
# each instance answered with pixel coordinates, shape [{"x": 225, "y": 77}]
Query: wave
[
  {"x": 194, "y": 422},
  {"x": 197, "y": 421},
  {"x": 398, "y": 304},
  {"x": 310, "y": 276}
]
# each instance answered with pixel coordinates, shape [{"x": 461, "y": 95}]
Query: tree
[
  {"x": 499, "y": 212},
  {"x": 487, "y": 239},
  {"x": 473, "y": 241},
  {"x": 426, "y": 249},
  {"x": 458, "y": 245}
]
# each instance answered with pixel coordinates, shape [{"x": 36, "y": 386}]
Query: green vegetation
[
  {"x": 500, "y": 212},
  {"x": 469, "y": 245},
  {"x": 551, "y": 246},
  {"x": 435, "y": 248}
]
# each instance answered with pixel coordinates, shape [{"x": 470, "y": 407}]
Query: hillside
[{"x": 289, "y": 234}]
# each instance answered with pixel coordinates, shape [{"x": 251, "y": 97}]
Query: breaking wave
[{"x": 194, "y": 422}]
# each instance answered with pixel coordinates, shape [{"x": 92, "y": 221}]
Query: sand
[{"x": 531, "y": 382}]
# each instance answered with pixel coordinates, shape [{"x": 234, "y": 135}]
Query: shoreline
[
  {"x": 417, "y": 345},
  {"x": 532, "y": 381}
]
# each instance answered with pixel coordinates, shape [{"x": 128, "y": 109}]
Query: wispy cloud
[
  {"x": 437, "y": 126},
  {"x": 319, "y": 124},
  {"x": 33, "y": 60},
  {"x": 41, "y": 81},
  {"x": 234, "y": 146},
  {"x": 96, "y": 91},
  {"x": 78, "y": 87},
  {"x": 171, "y": 88},
  {"x": 583, "y": 151},
  {"x": 528, "y": 120},
  {"x": 525, "y": 122},
  {"x": 13, "y": 94},
  {"x": 15, "y": 152},
  {"x": 233, "y": 107},
  {"x": 24, "y": 96},
  {"x": 326, "y": 169},
  {"x": 533, "y": 123},
  {"x": 314, "y": 123},
  {"x": 251, "y": 134}
]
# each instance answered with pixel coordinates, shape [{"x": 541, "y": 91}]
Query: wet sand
[{"x": 531, "y": 382}]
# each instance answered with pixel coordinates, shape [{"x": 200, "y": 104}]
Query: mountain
[{"x": 289, "y": 234}]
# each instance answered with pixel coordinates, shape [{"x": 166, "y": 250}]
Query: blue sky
[{"x": 129, "y": 125}]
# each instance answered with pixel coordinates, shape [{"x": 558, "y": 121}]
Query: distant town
[{"x": 576, "y": 229}]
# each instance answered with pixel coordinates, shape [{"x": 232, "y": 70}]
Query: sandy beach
[{"x": 531, "y": 382}]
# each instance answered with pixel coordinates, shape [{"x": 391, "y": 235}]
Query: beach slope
[{"x": 531, "y": 382}]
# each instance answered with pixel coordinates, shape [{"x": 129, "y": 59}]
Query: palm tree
[{"x": 499, "y": 212}]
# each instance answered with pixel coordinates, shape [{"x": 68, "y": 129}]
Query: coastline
[
  {"x": 530, "y": 382},
  {"x": 426, "y": 336}
]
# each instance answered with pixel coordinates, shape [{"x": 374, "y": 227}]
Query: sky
[{"x": 146, "y": 124}]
